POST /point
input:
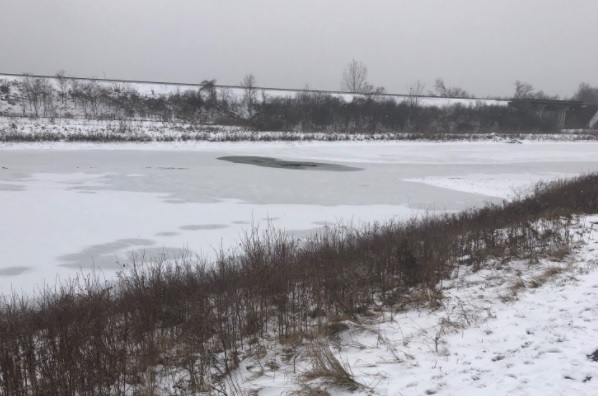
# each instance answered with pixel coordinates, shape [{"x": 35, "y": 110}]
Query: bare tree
[
  {"x": 586, "y": 94},
  {"x": 523, "y": 90},
  {"x": 32, "y": 90},
  {"x": 76, "y": 93},
  {"x": 92, "y": 92},
  {"x": 249, "y": 94},
  {"x": 440, "y": 89},
  {"x": 355, "y": 78},
  {"x": 40, "y": 95},
  {"x": 416, "y": 90},
  {"x": 379, "y": 91},
  {"x": 62, "y": 85},
  {"x": 208, "y": 87},
  {"x": 225, "y": 96},
  {"x": 526, "y": 91},
  {"x": 47, "y": 97}
]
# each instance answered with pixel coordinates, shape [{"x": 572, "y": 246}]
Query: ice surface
[{"x": 66, "y": 208}]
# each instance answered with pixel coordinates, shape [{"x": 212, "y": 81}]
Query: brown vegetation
[{"x": 183, "y": 315}]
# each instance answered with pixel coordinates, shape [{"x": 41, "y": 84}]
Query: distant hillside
[
  {"x": 165, "y": 87},
  {"x": 69, "y": 94},
  {"x": 255, "y": 108}
]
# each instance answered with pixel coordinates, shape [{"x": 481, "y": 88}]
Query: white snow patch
[{"x": 503, "y": 185}]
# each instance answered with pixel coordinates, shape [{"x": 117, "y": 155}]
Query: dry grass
[
  {"x": 328, "y": 369},
  {"x": 545, "y": 276},
  {"x": 310, "y": 390},
  {"x": 87, "y": 337},
  {"x": 516, "y": 286},
  {"x": 560, "y": 254}
]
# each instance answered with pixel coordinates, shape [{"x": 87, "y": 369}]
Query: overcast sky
[{"x": 482, "y": 46}]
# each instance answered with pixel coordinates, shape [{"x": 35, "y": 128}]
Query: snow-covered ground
[
  {"x": 516, "y": 328},
  {"x": 27, "y": 129},
  {"x": 67, "y": 208},
  {"x": 506, "y": 185},
  {"x": 64, "y": 128}
]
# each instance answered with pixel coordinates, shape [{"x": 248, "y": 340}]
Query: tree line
[{"x": 369, "y": 112}]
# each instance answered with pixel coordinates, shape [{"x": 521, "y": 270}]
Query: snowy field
[{"x": 71, "y": 208}]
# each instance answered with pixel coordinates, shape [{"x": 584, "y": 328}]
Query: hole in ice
[{"x": 283, "y": 164}]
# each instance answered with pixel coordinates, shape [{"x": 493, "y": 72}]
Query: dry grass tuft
[
  {"x": 310, "y": 390},
  {"x": 561, "y": 253},
  {"x": 513, "y": 289},
  {"x": 328, "y": 369},
  {"x": 546, "y": 275}
]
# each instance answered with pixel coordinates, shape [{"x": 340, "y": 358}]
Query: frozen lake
[{"x": 65, "y": 209}]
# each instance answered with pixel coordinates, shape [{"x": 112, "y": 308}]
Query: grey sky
[{"x": 480, "y": 45}]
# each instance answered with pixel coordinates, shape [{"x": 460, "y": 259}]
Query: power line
[{"x": 256, "y": 88}]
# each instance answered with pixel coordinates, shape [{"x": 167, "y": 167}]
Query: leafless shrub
[
  {"x": 38, "y": 93},
  {"x": 441, "y": 89},
  {"x": 195, "y": 318}
]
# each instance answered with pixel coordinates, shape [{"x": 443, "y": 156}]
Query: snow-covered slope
[
  {"x": 516, "y": 328},
  {"x": 14, "y": 102}
]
